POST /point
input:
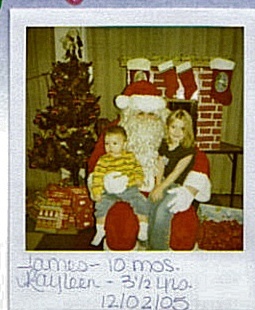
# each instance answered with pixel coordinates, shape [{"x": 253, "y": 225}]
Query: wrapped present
[
  {"x": 67, "y": 211},
  {"x": 33, "y": 203},
  {"x": 64, "y": 209},
  {"x": 83, "y": 207},
  {"x": 84, "y": 219},
  {"x": 57, "y": 191},
  {"x": 220, "y": 229},
  {"x": 49, "y": 219},
  {"x": 78, "y": 190},
  {"x": 63, "y": 196}
]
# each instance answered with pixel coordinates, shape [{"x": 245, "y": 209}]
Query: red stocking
[
  {"x": 167, "y": 72},
  {"x": 138, "y": 64},
  {"x": 187, "y": 78},
  {"x": 221, "y": 80}
]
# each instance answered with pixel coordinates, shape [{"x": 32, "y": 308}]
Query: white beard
[{"x": 144, "y": 138}]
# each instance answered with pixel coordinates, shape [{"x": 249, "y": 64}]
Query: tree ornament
[{"x": 72, "y": 44}]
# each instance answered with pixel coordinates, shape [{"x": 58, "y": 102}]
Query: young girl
[{"x": 176, "y": 157}]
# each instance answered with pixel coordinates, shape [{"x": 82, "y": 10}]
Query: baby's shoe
[
  {"x": 99, "y": 235},
  {"x": 143, "y": 231}
]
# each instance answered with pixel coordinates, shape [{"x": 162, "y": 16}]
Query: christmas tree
[{"x": 67, "y": 126}]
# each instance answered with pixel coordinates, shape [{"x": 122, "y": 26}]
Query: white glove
[
  {"x": 181, "y": 201},
  {"x": 115, "y": 182}
]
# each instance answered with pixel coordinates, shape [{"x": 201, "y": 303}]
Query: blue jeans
[
  {"x": 132, "y": 195},
  {"x": 160, "y": 219}
]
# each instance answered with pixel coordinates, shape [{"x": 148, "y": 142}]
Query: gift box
[
  {"x": 80, "y": 199},
  {"x": 84, "y": 220},
  {"x": 49, "y": 219},
  {"x": 220, "y": 228},
  {"x": 52, "y": 220},
  {"x": 83, "y": 207},
  {"x": 75, "y": 209},
  {"x": 78, "y": 208},
  {"x": 33, "y": 203},
  {"x": 57, "y": 191},
  {"x": 67, "y": 211}
]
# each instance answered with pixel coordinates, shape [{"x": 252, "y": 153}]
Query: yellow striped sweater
[{"x": 127, "y": 164}]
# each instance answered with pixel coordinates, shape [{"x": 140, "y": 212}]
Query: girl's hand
[
  {"x": 156, "y": 194},
  {"x": 161, "y": 162},
  {"x": 160, "y": 165}
]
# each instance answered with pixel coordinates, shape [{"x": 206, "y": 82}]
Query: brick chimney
[{"x": 209, "y": 113}]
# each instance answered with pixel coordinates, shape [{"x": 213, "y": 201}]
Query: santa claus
[{"x": 143, "y": 115}]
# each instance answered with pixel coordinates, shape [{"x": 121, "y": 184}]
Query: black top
[{"x": 174, "y": 156}]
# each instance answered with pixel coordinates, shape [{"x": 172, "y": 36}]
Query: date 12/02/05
[{"x": 128, "y": 301}]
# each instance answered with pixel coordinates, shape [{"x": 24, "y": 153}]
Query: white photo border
[{"x": 219, "y": 280}]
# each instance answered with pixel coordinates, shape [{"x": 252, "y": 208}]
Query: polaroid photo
[{"x": 130, "y": 186}]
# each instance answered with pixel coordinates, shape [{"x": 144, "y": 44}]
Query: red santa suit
[{"x": 121, "y": 224}]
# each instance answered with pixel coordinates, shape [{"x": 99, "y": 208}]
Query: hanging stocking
[
  {"x": 221, "y": 80},
  {"x": 187, "y": 78},
  {"x": 167, "y": 72},
  {"x": 138, "y": 64}
]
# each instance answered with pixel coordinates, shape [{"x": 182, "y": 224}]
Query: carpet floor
[{"x": 78, "y": 242}]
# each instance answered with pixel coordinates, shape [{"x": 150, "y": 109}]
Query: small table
[{"x": 232, "y": 151}]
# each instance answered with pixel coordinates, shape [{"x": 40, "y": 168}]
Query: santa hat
[
  {"x": 135, "y": 65},
  {"x": 145, "y": 103}
]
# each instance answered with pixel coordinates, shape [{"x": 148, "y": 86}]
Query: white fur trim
[
  {"x": 165, "y": 65},
  {"x": 147, "y": 103},
  {"x": 195, "y": 95},
  {"x": 122, "y": 101},
  {"x": 201, "y": 182},
  {"x": 139, "y": 64},
  {"x": 222, "y": 64},
  {"x": 183, "y": 67},
  {"x": 180, "y": 90}
]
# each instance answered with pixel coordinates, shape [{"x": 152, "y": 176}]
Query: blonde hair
[{"x": 183, "y": 115}]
